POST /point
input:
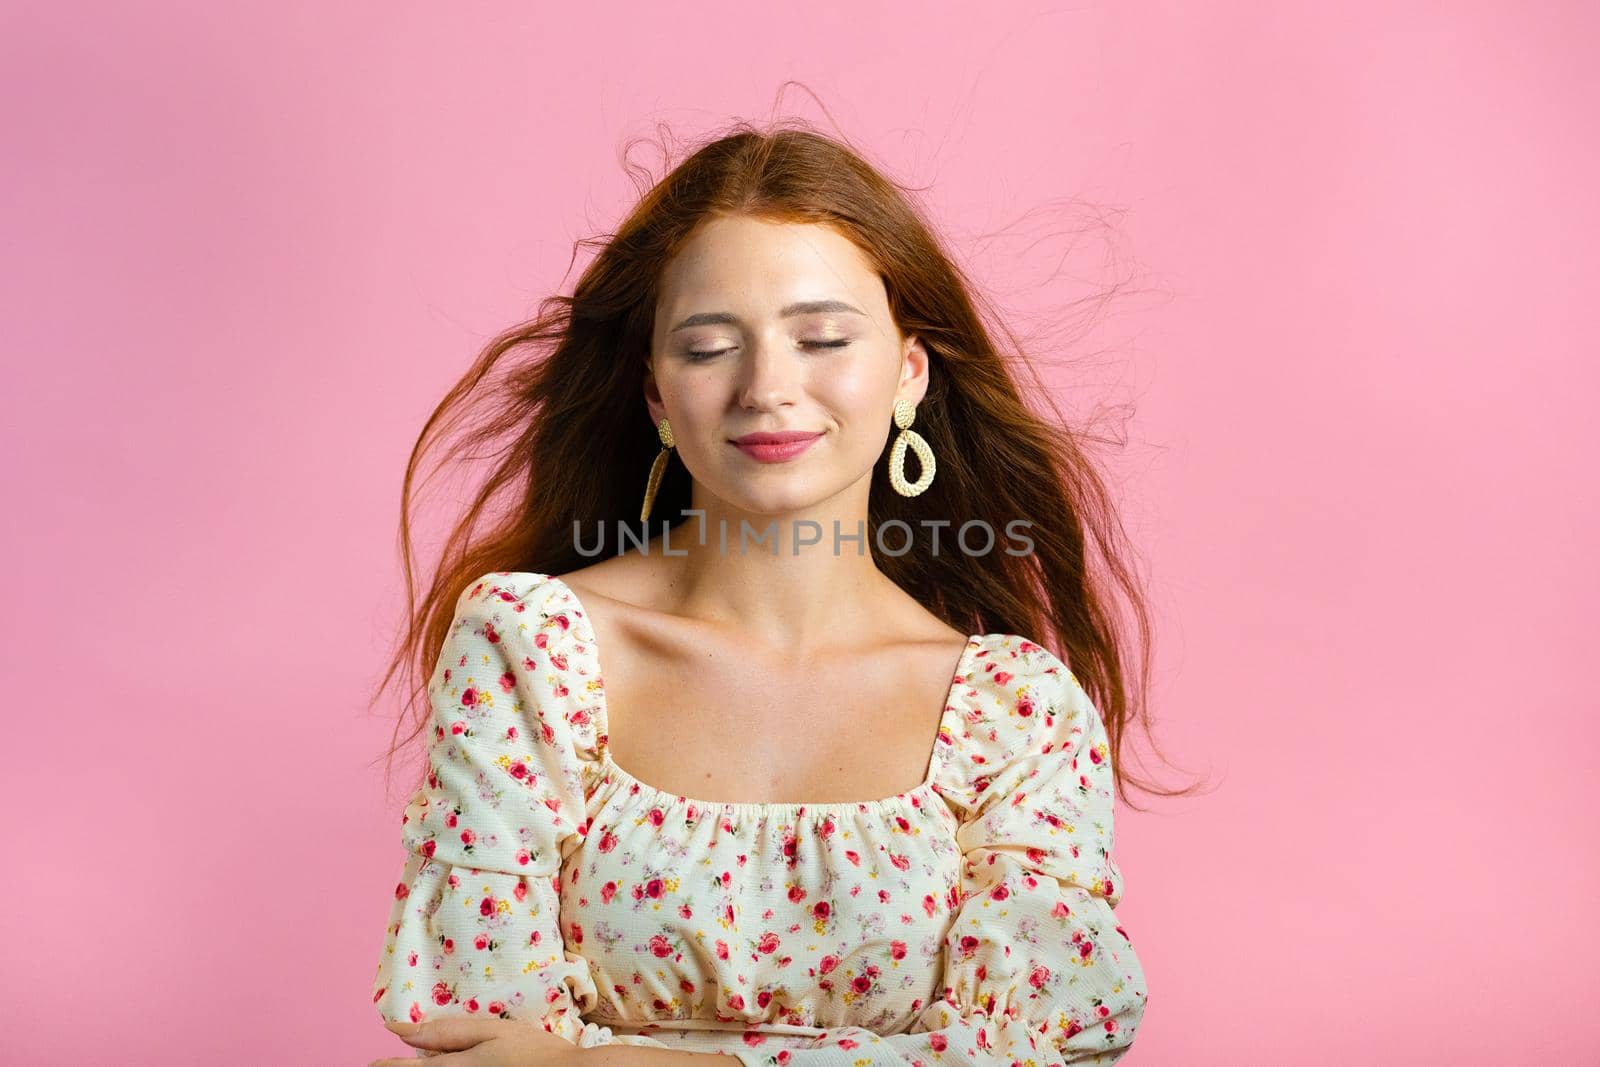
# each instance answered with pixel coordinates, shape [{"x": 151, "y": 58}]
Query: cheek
[
  {"x": 696, "y": 412},
  {"x": 857, "y": 395}
]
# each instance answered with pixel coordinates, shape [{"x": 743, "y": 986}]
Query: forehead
[{"x": 742, "y": 255}]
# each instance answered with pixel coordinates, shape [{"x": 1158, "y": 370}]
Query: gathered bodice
[{"x": 546, "y": 882}]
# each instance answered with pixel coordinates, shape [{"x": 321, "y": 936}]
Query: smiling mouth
[
  {"x": 776, "y": 447},
  {"x": 777, "y": 437}
]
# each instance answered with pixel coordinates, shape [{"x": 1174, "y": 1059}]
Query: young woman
[{"x": 786, "y": 777}]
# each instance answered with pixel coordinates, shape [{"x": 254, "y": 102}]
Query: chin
[{"x": 775, "y": 501}]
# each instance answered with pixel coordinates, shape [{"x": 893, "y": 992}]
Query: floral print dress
[{"x": 966, "y": 921}]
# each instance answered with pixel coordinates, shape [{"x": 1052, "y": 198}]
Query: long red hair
[{"x": 556, "y": 403}]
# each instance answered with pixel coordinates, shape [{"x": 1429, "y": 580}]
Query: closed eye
[{"x": 700, "y": 357}]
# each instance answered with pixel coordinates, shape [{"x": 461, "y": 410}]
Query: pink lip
[{"x": 776, "y": 447}]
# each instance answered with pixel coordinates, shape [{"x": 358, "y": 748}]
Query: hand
[{"x": 462, "y": 1041}]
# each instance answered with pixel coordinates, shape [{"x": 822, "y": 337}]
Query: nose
[{"x": 769, "y": 376}]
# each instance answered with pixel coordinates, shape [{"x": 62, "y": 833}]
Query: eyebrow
[{"x": 804, "y": 307}]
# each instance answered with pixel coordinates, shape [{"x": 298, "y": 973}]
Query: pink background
[{"x": 248, "y": 246}]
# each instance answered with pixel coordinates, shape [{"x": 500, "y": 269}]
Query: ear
[
  {"x": 913, "y": 371},
  {"x": 652, "y": 392}
]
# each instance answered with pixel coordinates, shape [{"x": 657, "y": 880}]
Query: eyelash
[{"x": 701, "y": 357}]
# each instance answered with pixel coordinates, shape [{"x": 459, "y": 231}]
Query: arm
[
  {"x": 474, "y": 927},
  {"x": 635, "y": 1056},
  {"x": 1037, "y": 970}
]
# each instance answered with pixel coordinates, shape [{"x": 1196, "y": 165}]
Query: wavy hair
[{"x": 556, "y": 406}]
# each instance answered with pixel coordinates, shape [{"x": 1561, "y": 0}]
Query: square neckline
[{"x": 601, "y": 714}]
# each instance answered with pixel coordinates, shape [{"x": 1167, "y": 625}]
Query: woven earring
[
  {"x": 658, "y": 468},
  {"x": 904, "y": 412}
]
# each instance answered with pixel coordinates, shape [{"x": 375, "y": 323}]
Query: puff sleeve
[
  {"x": 474, "y": 926},
  {"x": 1037, "y": 969}
]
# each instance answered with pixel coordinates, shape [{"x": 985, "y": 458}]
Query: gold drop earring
[
  {"x": 658, "y": 468},
  {"x": 904, "y": 412}
]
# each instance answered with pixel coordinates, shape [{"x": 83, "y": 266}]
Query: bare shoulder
[
  {"x": 626, "y": 601},
  {"x": 914, "y": 624},
  {"x": 623, "y": 580}
]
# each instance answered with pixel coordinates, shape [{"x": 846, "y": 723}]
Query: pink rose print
[{"x": 462, "y": 938}]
